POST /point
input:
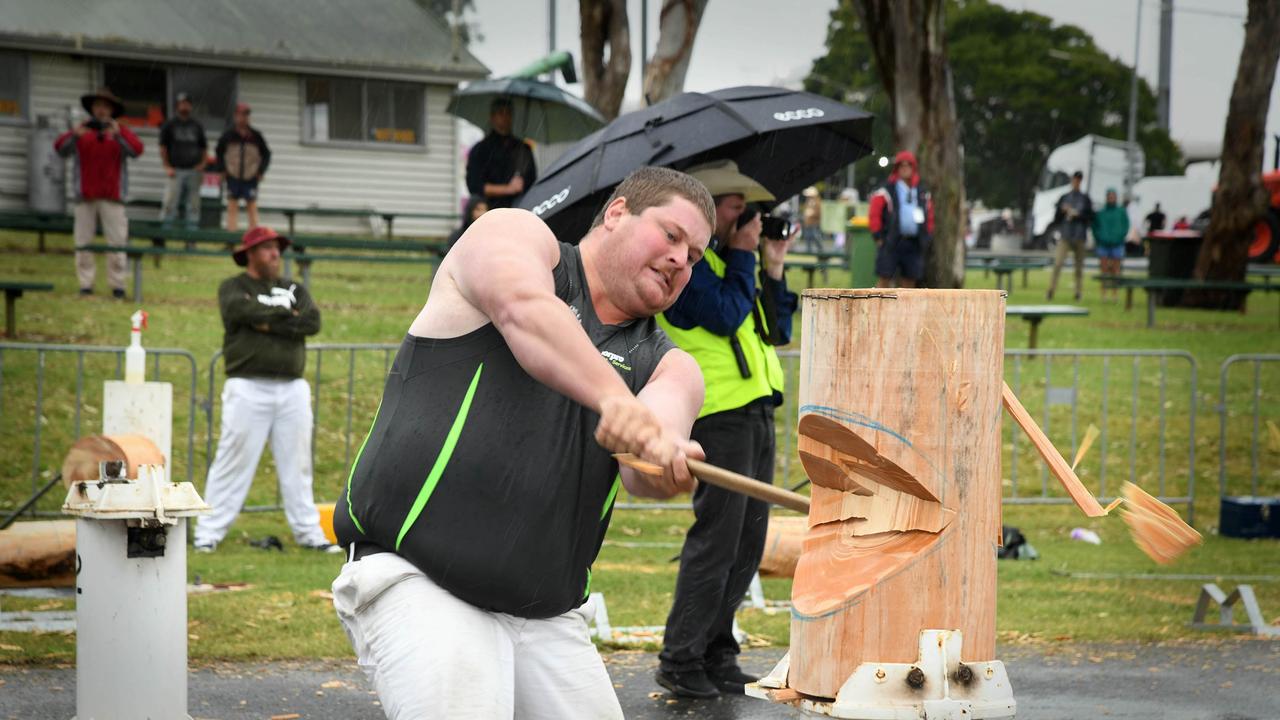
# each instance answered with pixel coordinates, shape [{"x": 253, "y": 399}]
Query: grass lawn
[{"x": 284, "y": 615}]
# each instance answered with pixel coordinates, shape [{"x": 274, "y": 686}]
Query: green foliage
[{"x": 1023, "y": 86}]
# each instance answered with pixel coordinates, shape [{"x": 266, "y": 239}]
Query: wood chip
[{"x": 289, "y": 716}]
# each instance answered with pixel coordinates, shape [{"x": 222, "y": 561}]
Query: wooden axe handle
[
  {"x": 1057, "y": 464},
  {"x": 728, "y": 480}
]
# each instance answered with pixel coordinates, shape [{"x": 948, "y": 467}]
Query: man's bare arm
[{"x": 674, "y": 393}]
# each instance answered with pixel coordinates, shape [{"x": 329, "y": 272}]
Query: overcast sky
[{"x": 755, "y": 42}]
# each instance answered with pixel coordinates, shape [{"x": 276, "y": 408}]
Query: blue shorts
[
  {"x": 901, "y": 257},
  {"x": 242, "y": 189},
  {"x": 1115, "y": 252}
]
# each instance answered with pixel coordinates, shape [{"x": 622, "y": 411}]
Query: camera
[{"x": 771, "y": 228}]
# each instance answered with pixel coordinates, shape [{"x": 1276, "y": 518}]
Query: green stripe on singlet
[
  {"x": 352, "y": 474},
  {"x": 442, "y": 460},
  {"x": 608, "y": 503}
]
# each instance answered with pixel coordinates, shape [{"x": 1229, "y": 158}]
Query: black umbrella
[
  {"x": 541, "y": 112},
  {"x": 783, "y": 139}
]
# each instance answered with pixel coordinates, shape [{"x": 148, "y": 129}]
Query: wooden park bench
[
  {"x": 37, "y": 222},
  {"x": 291, "y": 213},
  {"x": 135, "y": 254},
  {"x": 12, "y": 291},
  {"x": 1035, "y": 314}
]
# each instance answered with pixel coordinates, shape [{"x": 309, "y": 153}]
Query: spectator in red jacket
[
  {"x": 901, "y": 221},
  {"x": 101, "y": 147}
]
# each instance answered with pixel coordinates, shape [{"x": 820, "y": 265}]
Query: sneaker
[
  {"x": 85, "y": 292},
  {"x": 117, "y": 293},
  {"x": 326, "y": 548},
  {"x": 205, "y": 548},
  {"x": 730, "y": 679},
  {"x": 688, "y": 684}
]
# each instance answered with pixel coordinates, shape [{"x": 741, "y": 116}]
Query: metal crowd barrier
[
  {"x": 1124, "y": 392},
  {"x": 362, "y": 373},
  {"x": 50, "y": 407},
  {"x": 1264, "y": 455}
]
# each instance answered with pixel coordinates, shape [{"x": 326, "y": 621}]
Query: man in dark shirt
[
  {"x": 243, "y": 158},
  {"x": 266, "y": 320},
  {"x": 182, "y": 151},
  {"x": 500, "y": 167},
  {"x": 479, "y": 500},
  {"x": 1072, "y": 218},
  {"x": 1155, "y": 219}
]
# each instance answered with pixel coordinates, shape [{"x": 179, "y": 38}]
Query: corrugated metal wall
[
  {"x": 393, "y": 179},
  {"x": 56, "y": 83}
]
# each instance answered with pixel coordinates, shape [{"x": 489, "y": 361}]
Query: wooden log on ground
[
  {"x": 782, "y": 545},
  {"x": 39, "y": 553},
  {"x": 900, "y": 410}
]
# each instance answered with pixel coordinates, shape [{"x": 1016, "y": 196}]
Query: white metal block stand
[{"x": 939, "y": 686}]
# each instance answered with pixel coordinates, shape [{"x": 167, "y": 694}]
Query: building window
[
  {"x": 148, "y": 92},
  {"x": 143, "y": 88},
  {"x": 213, "y": 95},
  {"x": 13, "y": 86},
  {"x": 363, "y": 111}
]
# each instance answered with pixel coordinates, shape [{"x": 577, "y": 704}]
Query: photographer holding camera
[
  {"x": 730, "y": 325},
  {"x": 101, "y": 146}
]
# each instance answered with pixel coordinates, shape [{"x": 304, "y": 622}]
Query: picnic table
[
  {"x": 1035, "y": 314},
  {"x": 12, "y": 291},
  {"x": 1004, "y": 267},
  {"x": 1153, "y": 286},
  {"x": 812, "y": 262}
]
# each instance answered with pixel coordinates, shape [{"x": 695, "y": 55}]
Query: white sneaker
[
  {"x": 326, "y": 548},
  {"x": 205, "y": 548}
]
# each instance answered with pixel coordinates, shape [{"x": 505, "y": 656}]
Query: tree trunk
[
  {"x": 677, "y": 27},
  {"x": 908, "y": 40},
  {"x": 604, "y": 23},
  {"x": 1240, "y": 200}
]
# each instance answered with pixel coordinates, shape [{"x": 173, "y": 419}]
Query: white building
[{"x": 350, "y": 95}]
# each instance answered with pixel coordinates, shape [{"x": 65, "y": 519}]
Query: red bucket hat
[{"x": 256, "y": 236}]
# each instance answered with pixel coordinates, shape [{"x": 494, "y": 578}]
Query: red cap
[
  {"x": 243, "y": 107},
  {"x": 256, "y": 236}
]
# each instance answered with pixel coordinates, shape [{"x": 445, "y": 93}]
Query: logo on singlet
[{"x": 617, "y": 360}]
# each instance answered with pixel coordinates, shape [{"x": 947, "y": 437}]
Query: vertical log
[{"x": 900, "y": 434}]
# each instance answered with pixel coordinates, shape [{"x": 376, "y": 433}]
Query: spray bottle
[{"x": 135, "y": 358}]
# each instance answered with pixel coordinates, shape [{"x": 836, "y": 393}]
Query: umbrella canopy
[
  {"x": 784, "y": 139},
  {"x": 541, "y": 112}
]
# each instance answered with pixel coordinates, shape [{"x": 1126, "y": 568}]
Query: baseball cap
[
  {"x": 181, "y": 97},
  {"x": 243, "y": 107},
  {"x": 723, "y": 178}
]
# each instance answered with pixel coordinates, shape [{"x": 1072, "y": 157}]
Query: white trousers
[
  {"x": 115, "y": 226},
  {"x": 254, "y": 411},
  {"x": 431, "y": 655}
]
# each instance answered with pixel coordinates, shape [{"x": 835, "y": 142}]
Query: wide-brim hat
[
  {"x": 103, "y": 93},
  {"x": 256, "y": 236},
  {"x": 723, "y": 178}
]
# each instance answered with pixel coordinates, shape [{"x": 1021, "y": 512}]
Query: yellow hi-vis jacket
[{"x": 726, "y": 388}]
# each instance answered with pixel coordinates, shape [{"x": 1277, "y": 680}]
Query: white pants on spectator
[
  {"x": 115, "y": 226},
  {"x": 431, "y": 655},
  {"x": 254, "y": 411}
]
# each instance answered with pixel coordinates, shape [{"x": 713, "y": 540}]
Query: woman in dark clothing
[{"x": 476, "y": 207}]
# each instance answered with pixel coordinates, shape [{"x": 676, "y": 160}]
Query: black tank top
[{"x": 487, "y": 480}]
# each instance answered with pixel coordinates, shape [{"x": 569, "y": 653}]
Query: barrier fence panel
[
  {"x": 346, "y": 381},
  {"x": 51, "y": 395},
  {"x": 1249, "y": 425},
  {"x": 1142, "y": 402}
]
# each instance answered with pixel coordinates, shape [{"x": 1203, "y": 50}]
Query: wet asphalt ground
[{"x": 1228, "y": 679}]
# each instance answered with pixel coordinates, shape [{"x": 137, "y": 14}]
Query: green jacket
[
  {"x": 1110, "y": 226},
  {"x": 265, "y": 325}
]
